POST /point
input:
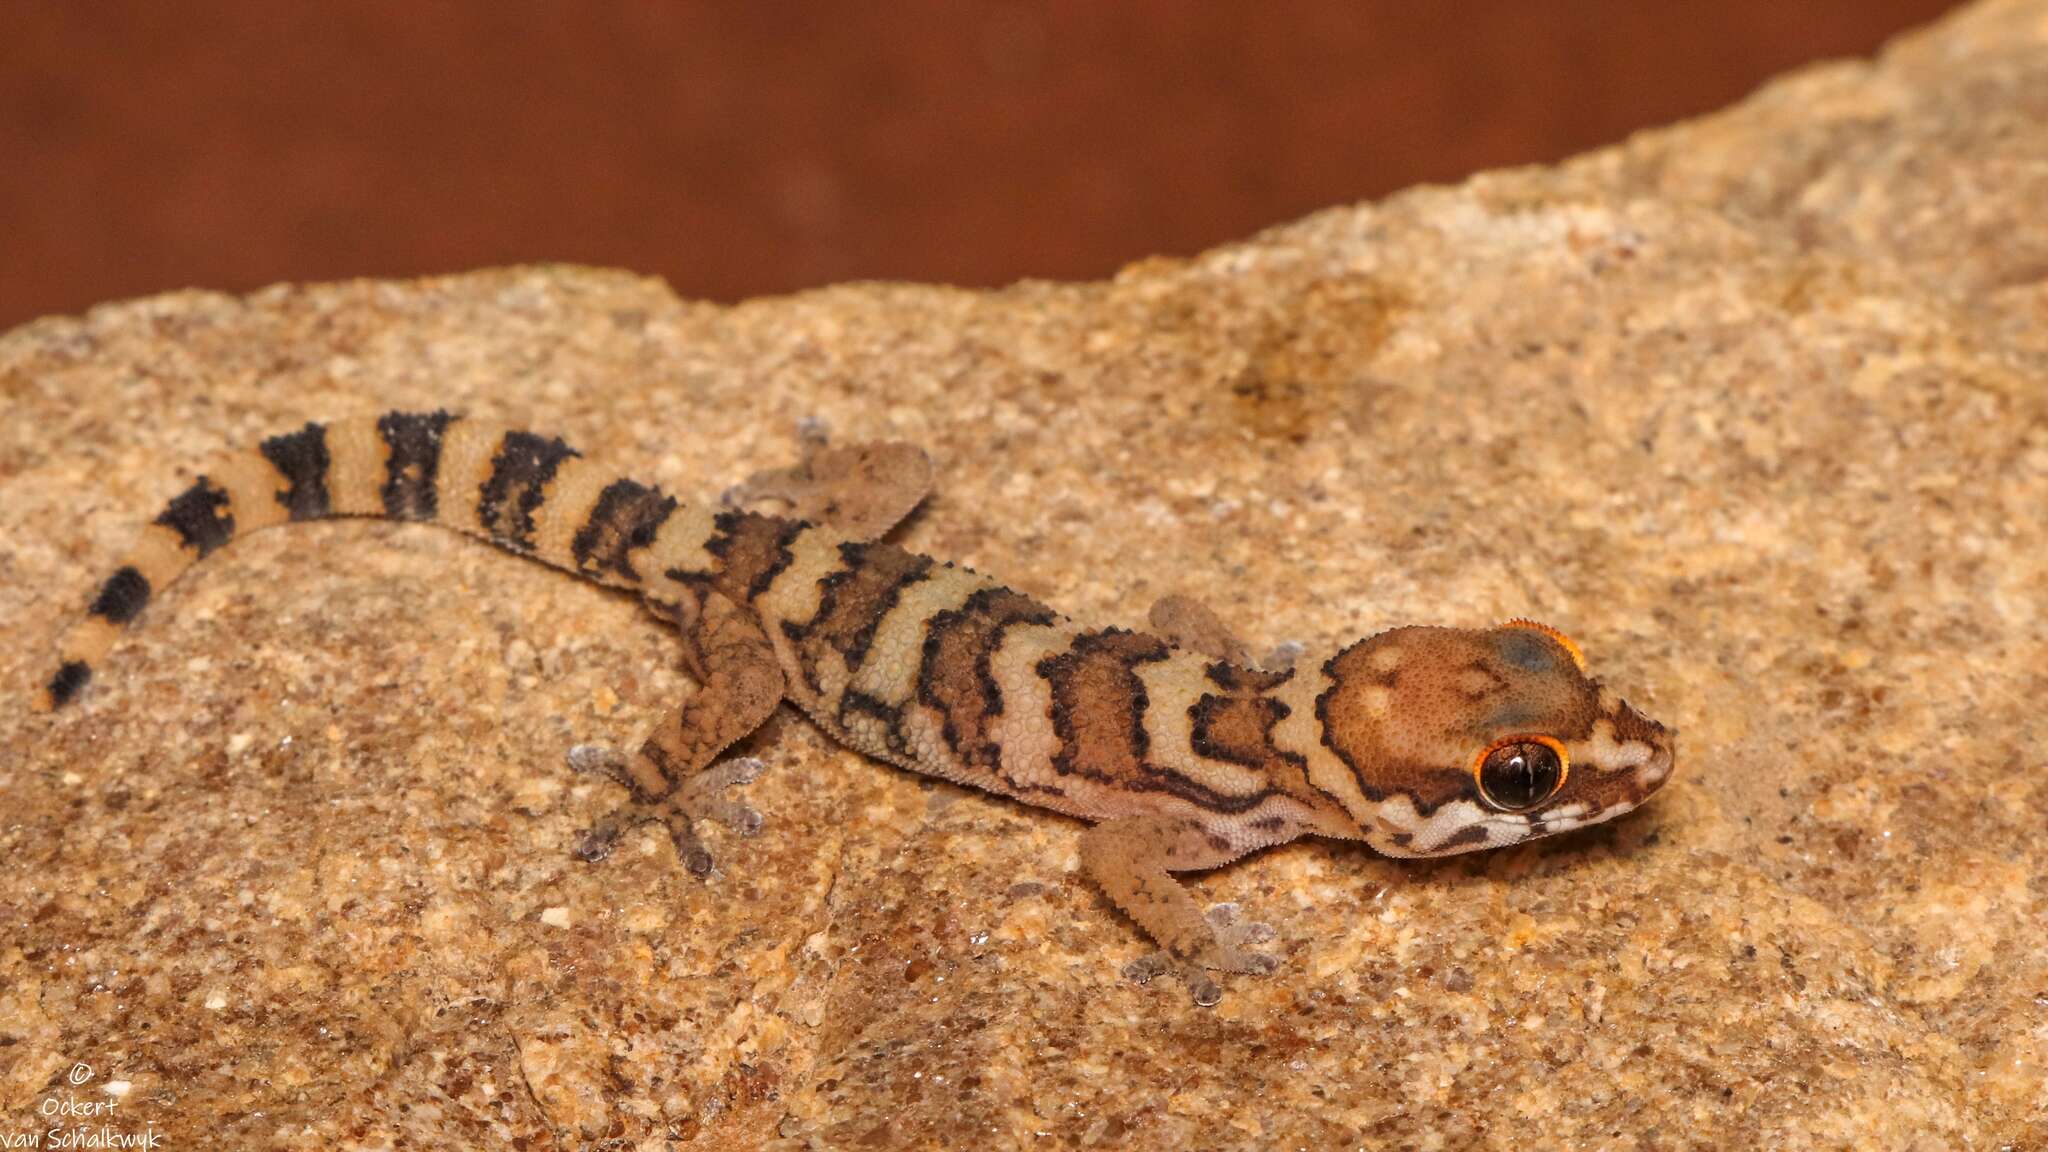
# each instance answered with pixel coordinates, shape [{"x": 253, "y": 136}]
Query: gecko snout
[{"x": 1632, "y": 729}]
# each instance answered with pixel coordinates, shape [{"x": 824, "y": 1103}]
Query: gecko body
[{"x": 1181, "y": 754}]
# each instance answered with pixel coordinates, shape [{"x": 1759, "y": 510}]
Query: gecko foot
[
  {"x": 1226, "y": 954},
  {"x": 699, "y": 795},
  {"x": 698, "y": 798}
]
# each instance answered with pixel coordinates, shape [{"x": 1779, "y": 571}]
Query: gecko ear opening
[{"x": 1567, "y": 643}]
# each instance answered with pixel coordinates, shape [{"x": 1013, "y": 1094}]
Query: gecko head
[{"x": 1466, "y": 739}]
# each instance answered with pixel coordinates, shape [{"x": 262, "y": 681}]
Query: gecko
[{"x": 1178, "y": 751}]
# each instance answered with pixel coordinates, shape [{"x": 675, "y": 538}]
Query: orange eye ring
[
  {"x": 1567, "y": 643},
  {"x": 1504, "y": 793}
]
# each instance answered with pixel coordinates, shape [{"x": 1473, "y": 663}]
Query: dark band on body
[
  {"x": 752, "y": 550},
  {"x": 1098, "y": 713},
  {"x": 517, "y": 486},
  {"x": 1238, "y": 729},
  {"x": 851, "y": 603},
  {"x": 955, "y": 675},
  {"x": 122, "y": 597},
  {"x": 1237, "y": 678},
  {"x": 626, "y": 518},
  {"x": 68, "y": 681},
  {"x": 302, "y": 459},
  {"x": 414, "y": 462},
  {"x": 200, "y": 516}
]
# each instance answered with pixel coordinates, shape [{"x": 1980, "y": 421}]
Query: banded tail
[{"x": 529, "y": 494}]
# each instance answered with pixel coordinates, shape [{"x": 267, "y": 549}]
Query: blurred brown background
[{"x": 745, "y": 148}]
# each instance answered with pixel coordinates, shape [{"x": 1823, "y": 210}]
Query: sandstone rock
[{"x": 1755, "y": 407}]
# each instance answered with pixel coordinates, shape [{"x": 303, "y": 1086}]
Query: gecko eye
[{"x": 1521, "y": 772}]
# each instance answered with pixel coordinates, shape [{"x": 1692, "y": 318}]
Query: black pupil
[{"x": 1519, "y": 775}]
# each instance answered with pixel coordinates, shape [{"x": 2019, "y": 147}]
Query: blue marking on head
[{"x": 1529, "y": 651}]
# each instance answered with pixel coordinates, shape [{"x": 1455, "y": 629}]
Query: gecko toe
[
  {"x": 705, "y": 785},
  {"x": 599, "y": 840},
  {"x": 599, "y": 760},
  {"x": 1247, "y": 962},
  {"x": 1232, "y": 931},
  {"x": 741, "y": 818},
  {"x": 1148, "y": 968},
  {"x": 814, "y": 431},
  {"x": 595, "y": 758},
  {"x": 739, "y": 770},
  {"x": 700, "y": 794},
  {"x": 1223, "y": 915},
  {"x": 690, "y": 849}
]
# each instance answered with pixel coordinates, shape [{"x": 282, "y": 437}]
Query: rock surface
[{"x": 1756, "y": 407}]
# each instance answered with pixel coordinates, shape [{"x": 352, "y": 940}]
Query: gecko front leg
[
  {"x": 1133, "y": 859},
  {"x": 671, "y": 778}
]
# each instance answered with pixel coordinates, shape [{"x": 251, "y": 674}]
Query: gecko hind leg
[
  {"x": 672, "y": 779},
  {"x": 862, "y": 490},
  {"x": 1133, "y": 859}
]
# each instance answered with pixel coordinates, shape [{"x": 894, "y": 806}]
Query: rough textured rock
[{"x": 1754, "y": 407}]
